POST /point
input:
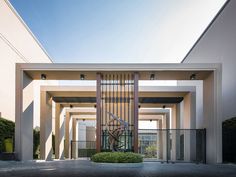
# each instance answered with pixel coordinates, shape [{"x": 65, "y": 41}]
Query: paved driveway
[{"x": 85, "y": 168}]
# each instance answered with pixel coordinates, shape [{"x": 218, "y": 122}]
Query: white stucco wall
[
  {"x": 17, "y": 45},
  {"x": 199, "y": 99},
  {"x": 218, "y": 45}
]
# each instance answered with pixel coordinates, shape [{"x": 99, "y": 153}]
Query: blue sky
[{"x": 88, "y": 31}]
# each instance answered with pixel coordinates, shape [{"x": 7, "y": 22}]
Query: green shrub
[
  {"x": 151, "y": 151},
  {"x": 36, "y": 143},
  {"x": 117, "y": 157},
  {"x": 7, "y": 129}
]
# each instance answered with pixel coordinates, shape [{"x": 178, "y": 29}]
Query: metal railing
[
  {"x": 165, "y": 145},
  {"x": 173, "y": 145},
  {"x": 82, "y": 149}
]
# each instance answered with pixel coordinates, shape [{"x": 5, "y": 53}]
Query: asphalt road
[{"x": 85, "y": 168}]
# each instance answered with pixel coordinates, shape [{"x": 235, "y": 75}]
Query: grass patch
[{"x": 117, "y": 157}]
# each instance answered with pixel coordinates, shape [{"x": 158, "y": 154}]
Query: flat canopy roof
[
  {"x": 147, "y": 94},
  {"x": 61, "y": 71}
]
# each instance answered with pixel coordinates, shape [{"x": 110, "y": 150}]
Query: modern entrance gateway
[{"x": 117, "y": 93}]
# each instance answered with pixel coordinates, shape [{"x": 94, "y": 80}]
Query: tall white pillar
[
  {"x": 45, "y": 126},
  {"x": 59, "y": 131},
  {"x": 75, "y": 138},
  {"x": 173, "y": 133},
  {"x": 212, "y": 108},
  {"x": 159, "y": 140},
  {"x": 164, "y": 137},
  {"x": 177, "y": 145},
  {"x": 189, "y": 123},
  {"x": 24, "y": 107},
  {"x": 68, "y": 135}
]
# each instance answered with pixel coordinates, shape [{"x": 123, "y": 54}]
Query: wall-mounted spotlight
[
  {"x": 43, "y": 76},
  {"x": 152, "y": 76},
  {"x": 164, "y": 106},
  {"x": 95, "y": 106},
  {"x": 150, "y": 120},
  {"x": 71, "y": 106},
  {"x": 139, "y": 106},
  {"x": 193, "y": 77},
  {"x": 82, "y": 76}
]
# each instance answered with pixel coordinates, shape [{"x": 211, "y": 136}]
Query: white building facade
[
  {"x": 217, "y": 45},
  {"x": 17, "y": 45}
]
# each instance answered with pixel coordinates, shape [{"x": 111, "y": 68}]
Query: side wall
[
  {"x": 217, "y": 45},
  {"x": 17, "y": 45}
]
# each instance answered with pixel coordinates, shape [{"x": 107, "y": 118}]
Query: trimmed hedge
[
  {"x": 7, "y": 130},
  {"x": 117, "y": 157}
]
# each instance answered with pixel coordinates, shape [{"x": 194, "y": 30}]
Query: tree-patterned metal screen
[{"x": 117, "y": 101}]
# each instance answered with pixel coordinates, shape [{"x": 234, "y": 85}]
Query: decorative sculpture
[{"x": 114, "y": 135}]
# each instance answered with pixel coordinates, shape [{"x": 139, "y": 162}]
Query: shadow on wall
[{"x": 229, "y": 140}]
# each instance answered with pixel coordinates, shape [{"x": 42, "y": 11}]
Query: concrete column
[
  {"x": 136, "y": 111},
  {"x": 177, "y": 145},
  {"x": 59, "y": 131},
  {"x": 213, "y": 116},
  {"x": 68, "y": 133},
  {"x": 159, "y": 140},
  {"x": 24, "y": 107},
  {"x": 189, "y": 123},
  {"x": 173, "y": 133},
  {"x": 75, "y": 138},
  {"x": 98, "y": 113},
  {"x": 45, "y": 126},
  {"x": 164, "y": 142}
]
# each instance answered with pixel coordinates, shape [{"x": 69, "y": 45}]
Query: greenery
[
  {"x": 230, "y": 123},
  {"x": 151, "y": 151},
  {"x": 86, "y": 152},
  {"x": 117, "y": 157},
  {"x": 7, "y": 130},
  {"x": 7, "y": 134},
  {"x": 36, "y": 140}
]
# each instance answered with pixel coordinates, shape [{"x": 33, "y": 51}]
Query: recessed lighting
[
  {"x": 82, "y": 76},
  {"x": 43, "y": 76},
  {"x": 193, "y": 77},
  {"x": 152, "y": 76}
]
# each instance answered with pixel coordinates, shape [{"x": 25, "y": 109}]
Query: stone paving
[{"x": 85, "y": 168}]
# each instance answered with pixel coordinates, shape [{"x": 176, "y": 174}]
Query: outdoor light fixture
[
  {"x": 83, "y": 120},
  {"x": 139, "y": 106},
  {"x": 152, "y": 76},
  {"x": 43, "y": 76},
  {"x": 193, "y": 77},
  {"x": 150, "y": 120},
  {"x": 82, "y": 76},
  {"x": 95, "y": 106},
  {"x": 164, "y": 106},
  {"x": 71, "y": 106}
]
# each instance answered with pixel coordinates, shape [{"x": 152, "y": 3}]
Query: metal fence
[
  {"x": 165, "y": 145},
  {"x": 82, "y": 149},
  {"x": 173, "y": 145},
  {"x": 125, "y": 141},
  {"x": 229, "y": 144}
]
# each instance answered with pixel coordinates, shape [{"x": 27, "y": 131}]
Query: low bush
[
  {"x": 7, "y": 129},
  {"x": 117, "y": 157}
]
